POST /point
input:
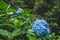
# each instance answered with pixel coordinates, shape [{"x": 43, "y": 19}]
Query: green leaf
[
  {"x": 2, "y": 15},
  {"x": 4, "y": 33},
  {"x": 3, "y": 5},
  {"x": 31, "y": 37},
  {"x": 26, "y": 12},
  {"x": 17, "y": 23},
  {"x": 8, "y": 25},
  {"x": 27, "y": 20},
  {"x": 16, "y": 33},
  {"x": 10, "y": 13},
  {"x": 7, "y": 7},
  {"x": 52, "y": 36},
  {"x": 31, "y": 32}
]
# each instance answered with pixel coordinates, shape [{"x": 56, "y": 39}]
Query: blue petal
[{"x": 18, "y": 12}]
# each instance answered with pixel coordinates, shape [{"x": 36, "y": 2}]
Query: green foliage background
[{"x": 18, "y": 27}]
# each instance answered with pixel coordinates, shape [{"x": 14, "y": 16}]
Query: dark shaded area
[
  {"x": 3, "y": 38},
  {"x": 45, "y": 7},
  {"x": 29, "y": 3},
  {"x": 10, "y": 29},
  {"x": 21, "y": 37},
  {"x": 55, "y": 30}
]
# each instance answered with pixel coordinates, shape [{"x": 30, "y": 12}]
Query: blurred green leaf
[
  {"x": 1, "y": 15},
  {"x": 17, "y": 23},
  {"x": 3, "y": 5},
  {"x": 31, "y": 32},
  {"x": 8, "y": 25},
  {"x": 10, "y": 13},
  {"x": 26, "y": 12},
  {"x": 16, "y": 32},
  {"x": 32, "y": 37},
  {"x": 7, "y": 7},
  {"x": 4, "y": 33}
]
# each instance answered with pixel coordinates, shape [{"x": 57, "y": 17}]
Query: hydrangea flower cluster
[
  {"x": 41, "y": 27},
  {"x": 19, "y": 11}
]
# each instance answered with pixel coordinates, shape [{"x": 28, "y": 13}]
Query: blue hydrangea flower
[
  {"x": 42, "y": 22},
  {"x": 41, "y": 27},
  {"x": 19, "y": 11}
]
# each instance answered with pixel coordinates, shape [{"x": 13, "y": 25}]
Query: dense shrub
[{"x": 17, "y": 18}]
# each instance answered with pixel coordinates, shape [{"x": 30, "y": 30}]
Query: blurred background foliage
[{"x": 18, "y": 27}]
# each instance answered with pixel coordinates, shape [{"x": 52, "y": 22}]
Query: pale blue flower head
[
  {"x": 19, "y": 11},
  {"x": 41, "y": 27}
]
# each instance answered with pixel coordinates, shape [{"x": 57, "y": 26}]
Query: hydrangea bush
[{"x": 14, "y": 26}]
